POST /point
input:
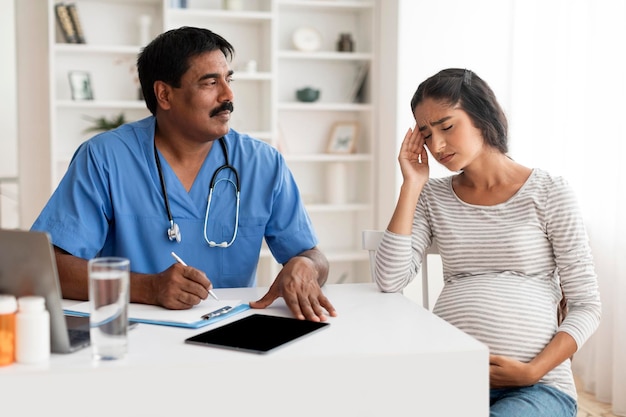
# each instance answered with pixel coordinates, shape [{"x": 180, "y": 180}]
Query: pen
[{"x": 180, "y": 261}]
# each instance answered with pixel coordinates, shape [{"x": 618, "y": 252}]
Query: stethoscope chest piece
[{"x": 173, "y": 232}]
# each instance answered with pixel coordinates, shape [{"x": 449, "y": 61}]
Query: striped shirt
[{"x": 503, "y": 267}]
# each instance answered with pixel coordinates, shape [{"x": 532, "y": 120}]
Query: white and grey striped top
[{"x": 502, "y": 266}]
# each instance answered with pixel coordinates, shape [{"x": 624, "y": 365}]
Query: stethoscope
[{"x": 173, "y": 232}]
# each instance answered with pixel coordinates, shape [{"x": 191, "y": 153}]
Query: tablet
[{"x": 257, "y": 333}]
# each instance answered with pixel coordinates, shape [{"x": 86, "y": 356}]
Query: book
[
  {"x": 357, "y": 90},
  {"x": 65, "y": 23},
  {"x": 207, "y": 312},
  {"x": 78, "y": 28}
]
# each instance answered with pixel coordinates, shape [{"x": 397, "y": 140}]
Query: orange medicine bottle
[{"x": 8, "y": 308}]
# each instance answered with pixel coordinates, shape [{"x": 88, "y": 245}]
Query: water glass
[{"x": 109, "y": 295}]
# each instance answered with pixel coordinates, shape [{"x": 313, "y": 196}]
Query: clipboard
[{"x": 207, "y": 312}]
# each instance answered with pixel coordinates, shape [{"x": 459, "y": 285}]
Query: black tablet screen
[{"x": 257, "y": 333}]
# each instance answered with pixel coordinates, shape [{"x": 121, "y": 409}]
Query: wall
[
  {"x": 386, "y": 128},
  {"x": 33, "y": 116},
  {"x": 8, "y": 113},
  {"x": 8, "y": 117}
]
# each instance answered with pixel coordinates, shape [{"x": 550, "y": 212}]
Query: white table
[{"x": 383, "y": 355}]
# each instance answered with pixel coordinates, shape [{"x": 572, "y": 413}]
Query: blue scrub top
[{"x": 110, "y": 203}]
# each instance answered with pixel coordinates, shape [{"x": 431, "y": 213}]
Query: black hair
[
  {"x": 166, "y": 58},
  {"x": 465, "y": 89}
]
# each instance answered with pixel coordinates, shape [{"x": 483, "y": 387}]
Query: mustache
[{"x": 225, "y": 106}]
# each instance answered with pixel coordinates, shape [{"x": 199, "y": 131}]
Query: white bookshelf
[{"x": 265, "y": 98}]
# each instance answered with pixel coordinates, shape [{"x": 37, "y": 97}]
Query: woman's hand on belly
[{"x": 507, "y": 372}]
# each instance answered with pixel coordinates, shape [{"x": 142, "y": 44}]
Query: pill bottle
[
  {"x": 32, "y": 330},
  {"x": 8, "y": 308}
]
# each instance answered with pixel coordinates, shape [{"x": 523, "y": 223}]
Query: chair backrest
[{"x": 370, "y": 241}]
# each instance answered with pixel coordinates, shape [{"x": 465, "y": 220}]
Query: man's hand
[
  {"x": 180, "y": 287},
  {"x": 299, "y": 285}
]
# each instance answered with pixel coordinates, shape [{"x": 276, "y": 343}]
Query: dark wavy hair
[
  {"x": 166, "y": 58},
  {"x": 465, "y": 89}
]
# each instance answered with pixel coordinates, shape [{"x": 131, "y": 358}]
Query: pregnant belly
[{"x": 515, "y": 316}]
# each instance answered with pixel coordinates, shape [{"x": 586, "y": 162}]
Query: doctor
[{"x": 182, "y": 181}]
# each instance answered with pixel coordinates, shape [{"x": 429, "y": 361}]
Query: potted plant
[{"x": 102, "y": 124}]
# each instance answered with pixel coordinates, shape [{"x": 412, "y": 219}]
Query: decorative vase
[
  {"x": 345, "y": 43},
  {"x": 308, "y": 94}
]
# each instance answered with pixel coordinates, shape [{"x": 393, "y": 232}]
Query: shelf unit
[
  {"x": 109, "y": 57},
  {"x": 268, "y": 71},
  {"x": 305, "y": 127}
]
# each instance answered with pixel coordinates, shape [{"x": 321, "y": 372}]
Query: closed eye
[{"x": 427, "y": 137}]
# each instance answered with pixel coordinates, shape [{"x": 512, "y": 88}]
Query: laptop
[{"x": 28, "y": 267}]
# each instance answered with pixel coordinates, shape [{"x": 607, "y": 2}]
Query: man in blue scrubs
[{"x": 170, "y": 182}]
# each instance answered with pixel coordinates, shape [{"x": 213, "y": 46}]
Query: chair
[{"x": 370, "y": 241}]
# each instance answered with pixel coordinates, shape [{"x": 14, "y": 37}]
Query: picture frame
[
  {"x": 342, "y": 139},
  {"x": 80, "y": 85}
]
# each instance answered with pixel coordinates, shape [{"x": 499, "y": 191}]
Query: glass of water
[{"x": 109, "y": 295}]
